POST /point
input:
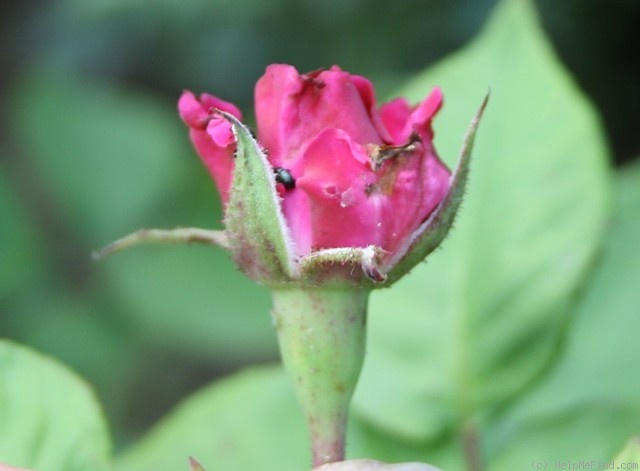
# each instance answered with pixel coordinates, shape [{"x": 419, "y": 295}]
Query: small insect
[
  {"x": 284, "y": 176},
  {"x": 379, "y": 154}
]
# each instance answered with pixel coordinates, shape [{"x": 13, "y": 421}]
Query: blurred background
[{"x": 91, "y": 148}]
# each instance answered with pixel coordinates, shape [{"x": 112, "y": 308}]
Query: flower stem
[
  {"x": 179, "y": 235},
  {"x": 321, "y": 332}
]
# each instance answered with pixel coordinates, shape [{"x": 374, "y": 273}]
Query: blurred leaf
[
  {"x": 593, "y": 389},
  {"x": 20, "y": 258},
  {"x": 193, "y": 297},
  {"x": 249, "y": 421},
  {"x": 606, "y": 322},
  {"x": 70, "y": 327},
  {"x": 364, "y": 441},
  {"x": 49, "y": 419},
  {"x": 252, "y": 421},
  {"x": 105, "y": 154},
  {"x": 630, "y": 453},
  {"x": 590, "y": 433},
  {"x": 478, "y": 322}
]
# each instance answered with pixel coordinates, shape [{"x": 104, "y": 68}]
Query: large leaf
[
  {"x": 49, "y": 419},
  {"x": 476, "y": 324},
  {"x": 591, "y": 396},
  {"x": 248, "y": 422},
  {"x": 251, "y": 421},
  {"x": 593, "y": 433},
  {"x": 603, "y": 335}
]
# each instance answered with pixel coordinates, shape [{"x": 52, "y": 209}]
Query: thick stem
[{"x": 321, "y": 332}]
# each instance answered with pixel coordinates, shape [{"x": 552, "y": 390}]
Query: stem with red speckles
[{"x": 322, "y": 334}]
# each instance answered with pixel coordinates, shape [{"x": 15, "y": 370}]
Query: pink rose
[{"x": 351, "y": 174}]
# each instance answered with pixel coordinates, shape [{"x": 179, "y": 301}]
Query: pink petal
[
  {"x": 211, "y": 135},
  {"x": 367, "y": 93},
  {"x": 291, "y": 109},
  {"x": 218, "y": 160},
  {"x": 219, "y": 130},
  {"x": 276, "y": 110},
  {"x": 191, "y": 111},
  {"x": 335, "y": 181},
  {"x": 420, "y": 119},
  {"x": 350, "y": 205},
  {"x": 395, "y": 115}
]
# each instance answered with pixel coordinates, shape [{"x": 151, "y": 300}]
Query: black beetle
[{"x": 284, "y": 176}]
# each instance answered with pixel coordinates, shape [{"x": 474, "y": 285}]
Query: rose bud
[
  {"x": 331, "y": 182},
  {"x": 334, "y": 197}
]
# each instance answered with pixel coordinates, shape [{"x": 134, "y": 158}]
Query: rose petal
[
  {"x": 211, "y": 136},
  {"x": 420, "y": 119},
  {"x": 335, "y": 179},
  {"x": 291, "y": 109},
  {"x": 395, "y": 115}
]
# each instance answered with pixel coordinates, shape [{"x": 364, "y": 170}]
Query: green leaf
[
  {"x": 49, "y": 418},
  {"x": 104, "y": 155},
  {"x": 249, "y": 421},
  {"x": 476, "y": 324},
  {"x": 594, "y": 432},
  {"x": 590, "y": 397},
  {"x": 605, "y": 323},
  {"x": 365, "y": 441},
  {"x": 84, "y": 336},
  {"x": 252, "y": 421},
  {"x": 258, "y": 234},
  {"x": 630, "y": 453}
]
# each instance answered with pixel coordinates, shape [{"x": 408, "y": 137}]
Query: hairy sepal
[
  {"x": 258, "y": 234},
  {"x": 347, "y": 265},
  {"x": 436, "y": 227}
]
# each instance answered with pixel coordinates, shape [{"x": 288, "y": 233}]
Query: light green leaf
[
  {"x": 474, "y": 326},
  {"x": 364, "y": 441},
  {"x": 593, "y": 433},
  {"x": 630, "y": 454},
  {"x": 104, "y": 155},
  {"x": 605, "y": 324},
  {"x": 250, "y": 421},
  {"x": 49, "y": 418},
  {"x": 590, "y": 397}
]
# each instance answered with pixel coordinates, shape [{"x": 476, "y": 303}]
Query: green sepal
[
  {"x": 339, "y": 266},
  {"x": 433, "y": 231},
  {"x": 257, "y": 232}
]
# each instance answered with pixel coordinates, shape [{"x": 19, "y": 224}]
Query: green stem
[{"x": 321, "y": 332}]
